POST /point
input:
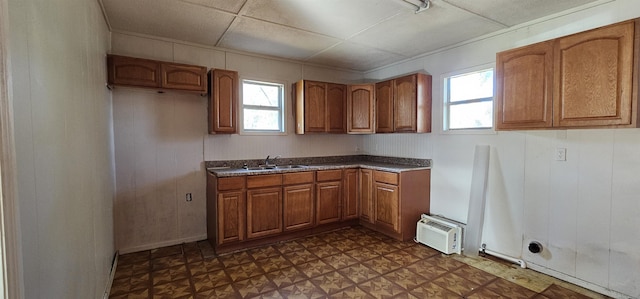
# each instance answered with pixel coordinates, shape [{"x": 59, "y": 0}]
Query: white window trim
[
  {"x": 445, "y": 95},
  {"x": 285, "y": 109}
]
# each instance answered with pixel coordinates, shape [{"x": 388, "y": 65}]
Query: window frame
[
  {"x": 446, "y": 103},
  {"x": 282, "y": 107}
]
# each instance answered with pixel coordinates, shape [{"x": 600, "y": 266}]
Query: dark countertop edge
[{"x": 397, "y": 168}]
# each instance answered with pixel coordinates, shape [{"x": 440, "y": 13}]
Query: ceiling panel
[
  {"x": 337, "y": 18},
  {"x": 271, "y": 39},
  {"x": 225, "y": 5},
  {"x": 349, "y": 55},
  {"x": 168, "y": 18},
  {"x": 513, "y": 12},
  {"x": 410, "y": 34}
]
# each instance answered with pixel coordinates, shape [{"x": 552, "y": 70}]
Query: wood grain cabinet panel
[
  {"x": 132, "y": 71},
  {"x": 223, "y": 101},
  {"x": 594, "y": 77},
  {"x": 360, "y": 109},
  {"x": 328, "y": 202},
  {"x": 577, "y": 81},
  {"x": 320, "y": 107},
  {"x": 366, "y": 196},
  {"x": 264, "y": 212},
  {"x": 148, "y": 73},
  {"x": 387, "y": 205},
  {"x": 351, "y": 192},
  {"x": 404, "y": 104},
  {"x": 225, "y": 209},
  {"x": 524, "y": 87},
  {"x": 298, "y": 206}
]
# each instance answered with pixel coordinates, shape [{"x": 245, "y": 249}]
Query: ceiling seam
[
  {"x": 104, "y": 15},
  {"x": 475, "y": 14},
  {"x": 232, "y": 25}
]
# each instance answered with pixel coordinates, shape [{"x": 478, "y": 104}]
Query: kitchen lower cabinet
[
  {"x": 264, "y": 205},
  {"x": 298, "y": 201},
  {"x": 386, "y": 203},
  {"x": 225, "y": 209},
  {"x": 328, "y": 196},
  {"x": 366, "y": 195},
  {"x": 351, "y": 193},
  {"x": 398, "y": 201}
]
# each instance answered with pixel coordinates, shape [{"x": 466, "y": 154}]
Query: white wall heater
[{"x": 440, "y": 234}]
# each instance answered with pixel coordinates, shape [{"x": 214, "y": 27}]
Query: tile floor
[{"x": 348, "y": 263}]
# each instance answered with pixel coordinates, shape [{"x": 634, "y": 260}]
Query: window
[
  {"x": 262, "y": 106},
  {"x": 468, "y": 100}
]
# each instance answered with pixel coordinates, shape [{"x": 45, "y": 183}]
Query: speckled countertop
[{"x": 392, "y": 164}]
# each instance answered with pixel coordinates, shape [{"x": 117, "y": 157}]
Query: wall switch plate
[
  {"x": 189, "y": 197},
  {"x": 561, "y": 154}
]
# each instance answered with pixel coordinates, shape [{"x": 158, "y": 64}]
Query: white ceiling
[{"x": 350, "y": 34}]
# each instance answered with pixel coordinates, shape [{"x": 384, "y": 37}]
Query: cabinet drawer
[
  {"x": 385, "y": 177},
  {"x": 297, "y": 178},
  {"x": 231, "y": 183},
  {"x": 266, "y": 180},
  {"x": 329, "y": 175}
]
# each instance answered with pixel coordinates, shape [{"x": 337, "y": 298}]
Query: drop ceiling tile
[
  {"x": 337, "y": 18},
  {"x": 512, "y": 12},
  {"x": 410, "y": 34},
  {"x": 353, "y": 56},
  {"x": 226, "y": 5},
  {"x": 271, "y": 39},
  {"x": 168, "y": 18}
]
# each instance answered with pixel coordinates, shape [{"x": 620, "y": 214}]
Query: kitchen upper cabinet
[
  {"x": 524, "y": 80},
  {"x": 350, "y": 199},
  {"x": 594, "y": 73},
  {"x": 223, "y": 101},
  {"x": 360, "y": 109},
  {"x": 404, "y": 104},
  {"x": 298, "y": 200},
  {"x": 328, "y": 196},
  {"x": 320, "y": 107},
  {"x": 225, "y": 209},
  {"x": 366, "y": 195},
  {"x": 577, "y": 81},
  {"x": 264, "y": 205},
  {"x": 138, "y": 72}
]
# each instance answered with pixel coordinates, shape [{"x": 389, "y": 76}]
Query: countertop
[{"x": 390, "y": 167}]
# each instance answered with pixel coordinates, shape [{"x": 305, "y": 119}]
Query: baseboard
[
  {"x": 578, "y": 282},
  {"x": 162, "y": 244},
  {"x": 112, "y": 274}
]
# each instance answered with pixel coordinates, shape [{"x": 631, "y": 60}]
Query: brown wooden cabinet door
[
  {"x": 366, "y": 195},
  {"x": 384, "y": 107},
  {"x": 351, "y": 193},
  {"x": 524, "y": 87},
  {"x": 315, "y": 104},
  {"x": 264, "y": 212},
  {"x": 593, "y": 75},
  {"x": 387, "y": 206},
  {"x": 230, "y": 216},
  {"x": 360, "y": 110},
  {"x": 298, "y": 206},
  {"x": 133, "y": 71},
  {"x": 404, "y": 104},
  {"x": 328, "y": 202},
  {"x": 336, "y": 108},
  {"x": 183, "y": 77},
  {"x": 223, "y": 101}
]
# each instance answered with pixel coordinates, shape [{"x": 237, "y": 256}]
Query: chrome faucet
[{"x": 266, "y": 161}]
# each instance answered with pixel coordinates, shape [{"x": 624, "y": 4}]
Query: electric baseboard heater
[{"x": 440, "y": 234}]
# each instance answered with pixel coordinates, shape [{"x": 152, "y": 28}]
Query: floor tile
[{"x": 347, "y": 263}]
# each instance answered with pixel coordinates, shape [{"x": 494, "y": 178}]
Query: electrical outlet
[
  {"x": 561, "y": 154},
  {"x": 189, "y": 197}
]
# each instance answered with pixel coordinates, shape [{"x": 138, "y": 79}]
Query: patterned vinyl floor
[{"x": 348, "y": 263}]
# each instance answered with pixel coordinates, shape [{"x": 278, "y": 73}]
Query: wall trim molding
[{"x": 162, "y": 244}]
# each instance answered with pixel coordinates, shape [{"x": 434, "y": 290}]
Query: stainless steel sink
[{"x": 290, "y": 166}]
